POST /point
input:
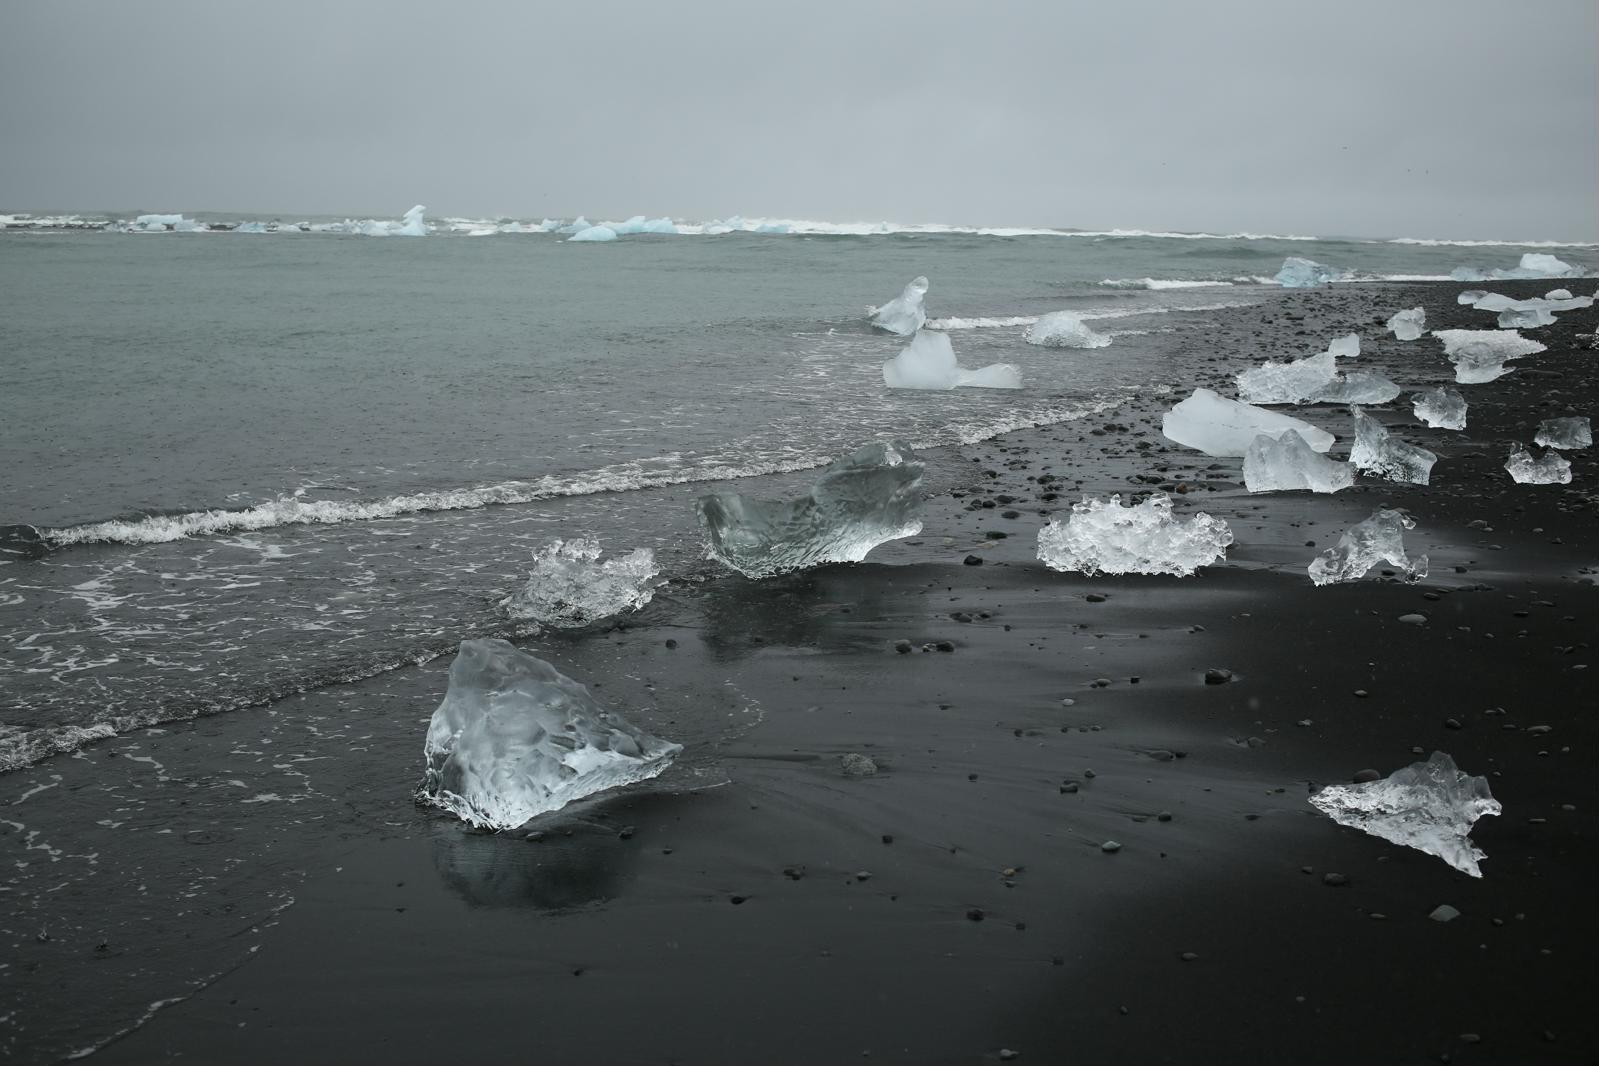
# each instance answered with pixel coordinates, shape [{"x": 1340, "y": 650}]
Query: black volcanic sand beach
[{"x": 962, "y": 904}]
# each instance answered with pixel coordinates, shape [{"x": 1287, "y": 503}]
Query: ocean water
[{"x": 243, "y": 465}]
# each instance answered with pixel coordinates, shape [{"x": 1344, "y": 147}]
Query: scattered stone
[
  {"x": 1444, "y": 913},
  {"x": 975, "y": 914},
  {"x": 793, "y": 873},
  {"x": 1366, "y": 776},
  {"x": 1006, "y": 1054},
  {"x": 1334, "y": 880},
  {"x": 1452, "y": 723},
  {"x": 1110, "y": 847},
  {"x": 945, "y": 645},
  {"x": 1218, "y": 676},
  {"x": 1163, "y": 816},
  {"x": 1095, "y": 597},
  {"x": 1161, "y": 755},
  {"x": 973, "y": 560},
  {"x": 903, "y": 647},
  {"x": 1413, "y": 619},
  {"x": 1189, "y": 956}
]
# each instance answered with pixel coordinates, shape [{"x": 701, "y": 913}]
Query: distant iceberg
[
  {"x": 1062, "y": 329},
  {"x": 928, "y": 362},
  {"x": 594, "y": 233},
  {"x": 1533, "y": 265},
  {"x": 640, "y": 224}
]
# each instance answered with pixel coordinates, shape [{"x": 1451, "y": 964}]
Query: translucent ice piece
[
  {"x": 514, "y": 738},
  {"x": 1357, "y": 386},
  {"x": 1557, "y": 294},
  {"x": 1380, "y": 538},
  {"x": 1430, "y": 806},
  {"x": 1345, "y": 347},
  {"x": 1480, "y": 355},
  {"x": 928, "y": 363},
  {"x": 1440, "y": 408},
  {"x": 1376, "y": 452},
  {"x": 1214, "y": 425},
  {"x": 904, "y": 314},
  {"x": 1567, "y": 433},
  {"x": 1408, "y": 325},
  {"x": 1551, "y": 468},
  {"x": 1103, "y": 536},
  {"x": 1525, "y": 318},
  {"x": 594, "y": 233},
  {"x": 569, "y": 587},
  {"x": 1062, "y": 329},
  {"x": 1287, "y": 463},
  {"x": 1297, "y": 273},
  {"x": 867, "y": 498},
  {"x": 1295, "y": 382}
]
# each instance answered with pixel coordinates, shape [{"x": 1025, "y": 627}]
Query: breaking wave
[
  {"x": 1003, "y": 321},
  {"x": 1162, "y": 283},
  {"x": 1432, "y": 243}
]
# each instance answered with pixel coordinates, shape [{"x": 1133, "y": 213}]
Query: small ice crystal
[
  {"x": 1376, "y": 452},
  {"x": 1551, "y": 468},
  {"x": 1440, "y": 407},
  {"x": 1062, "y": 329},
  {"x": 1430, "y": 806},
  {"x": 1408, "y": 325},
  {"x": 1287, "y": 463},
  {"x": 1103, "y": 536},
  {"x": 1298, "y": 273},
  {"x": 1568, "y": 433}
]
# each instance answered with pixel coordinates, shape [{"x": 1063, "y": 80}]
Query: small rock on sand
[
  {"x": 1444, "y": 913},
  {"x": 854, "y": 764},
  {"x": 1363, "y": 776},
  {"x": 1110, "y": 847},
  {"x": 1216, "y": 675},
  {"x": 1413, "y": 619}
]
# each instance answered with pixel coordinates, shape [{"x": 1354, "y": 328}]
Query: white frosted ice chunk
[
  {"x": 1525, "y": 318},
  {"x": 1102, "y": 536},
  {"x": 1470, "y": 296},
  {"x": 1287, "y": 463},
  {"x": 594, "y": 233},
  {"x": 413, "y": 224},
  {"x": 1298, "y": 273},
  {"x": 1380, "y": 538},
  {"x": 1408, "y": 325},
  {"x": 1551, "y": 468},
  {"x": 1062, "y": 329},
  {"x": 640, "y": 224},
  {"x": 514, "y": 738},
  {"x": 569, "y": 586},
  {"x": 1215, "y": 425},
  {"x": 904, "y": 314},
  {"x": 1558, "y": 294},
  {"x": 1430, "y": 806},
  {"x": 1568, "y": 433},
  {"x": 1440, "y": 407},
  {"x": 928, "y": 362},
  {"x": 577, "y": 225},
  {"x": 1376, "y": 452},
  {"x": 1479, "y": 355},
  {"x": 869, "y": 497}
]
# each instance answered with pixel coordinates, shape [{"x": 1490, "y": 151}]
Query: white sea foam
[
  {"x": 1162, "y": 283},
  {"x": 1432, "y": 243},
  {"x": 1004, "y": 321}
]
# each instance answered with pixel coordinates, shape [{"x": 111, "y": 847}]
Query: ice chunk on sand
[
  {"x": 1525, "y": 318},
  {"x": 594, "y": 233},
  {"x": 569, "y": 587},
  {"x": 1479, "y": 355},
  {"x": 869, "y": 497},
  {"x": 904, "y": 314},
  {"x": 1345, "y": 347},
  {"x": 1105, "y": 537},
  {"x": 1357, "y": 386},
  {"x": 1380, "y": 538},
  {"x": 1295, "y": 382},
  {"x": 1287, "y": 463},
  {"x": 1375, "y": 452},
  {"x": 1062, "y": 329},
  {"x": 1408, "y": 325},
  {"x": 928, "y": 362},
  {"x": 1558, "y": 294},
  {"x": 1297, "y": 273},
  {"x": 1440, "y": 408},
  {"x": 1551, "y": 468},
  {"x": 1470, "y": 296},
  {"x": 1430, "y": 806},
  {"x": 515, "y": 738},
  {"x": 1568, "y": 433},
  {"x": 1214, "y": 425}
]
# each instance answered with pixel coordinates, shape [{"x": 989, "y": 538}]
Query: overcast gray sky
[{"x": 1453, "y": 118}]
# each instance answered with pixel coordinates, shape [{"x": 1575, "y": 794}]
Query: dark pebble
[
  {"x": 1217, "y": 676},
  {"x": 973, "y": 560},
  {"x": 1334, "y": 880},
  {"x": 1363, "y": 776}
]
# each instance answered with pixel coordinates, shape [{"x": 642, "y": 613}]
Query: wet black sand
[{"x": 959, "y": 906}]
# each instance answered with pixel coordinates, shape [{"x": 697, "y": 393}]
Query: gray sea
[{"x": 239, "y": 465}]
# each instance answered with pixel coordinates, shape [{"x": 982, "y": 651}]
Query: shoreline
[{"x": 733, "y": 923}]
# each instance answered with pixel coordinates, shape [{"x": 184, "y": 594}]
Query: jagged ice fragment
[
  {"x": 1105, "y": 537},
  {"x": 928, "y": 363},
  {"x": 1568, "y": 433},
  {"x": 515, "y": 738},
  {"x": 594, "y": 233},
  {"x": 1480, "y": 355},
  {"x": 1430, "y": 806},
  {"x": 1215, "y": 425},
  {"x": 569, "y": 587},
  {"x": 869, "y": 497},
  {"x": 1379, "y": 538},
  {"x": 1062, "y": 329},
  {"x": 1551, "y": 468},
  {"x": 1376, "y": 452},
  {"x": 1286, "y": 463},
  {"x": 1298, "y": 273},
  {"x": 904, "y": 314},
  {"x": 1440, "y": 407}
]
